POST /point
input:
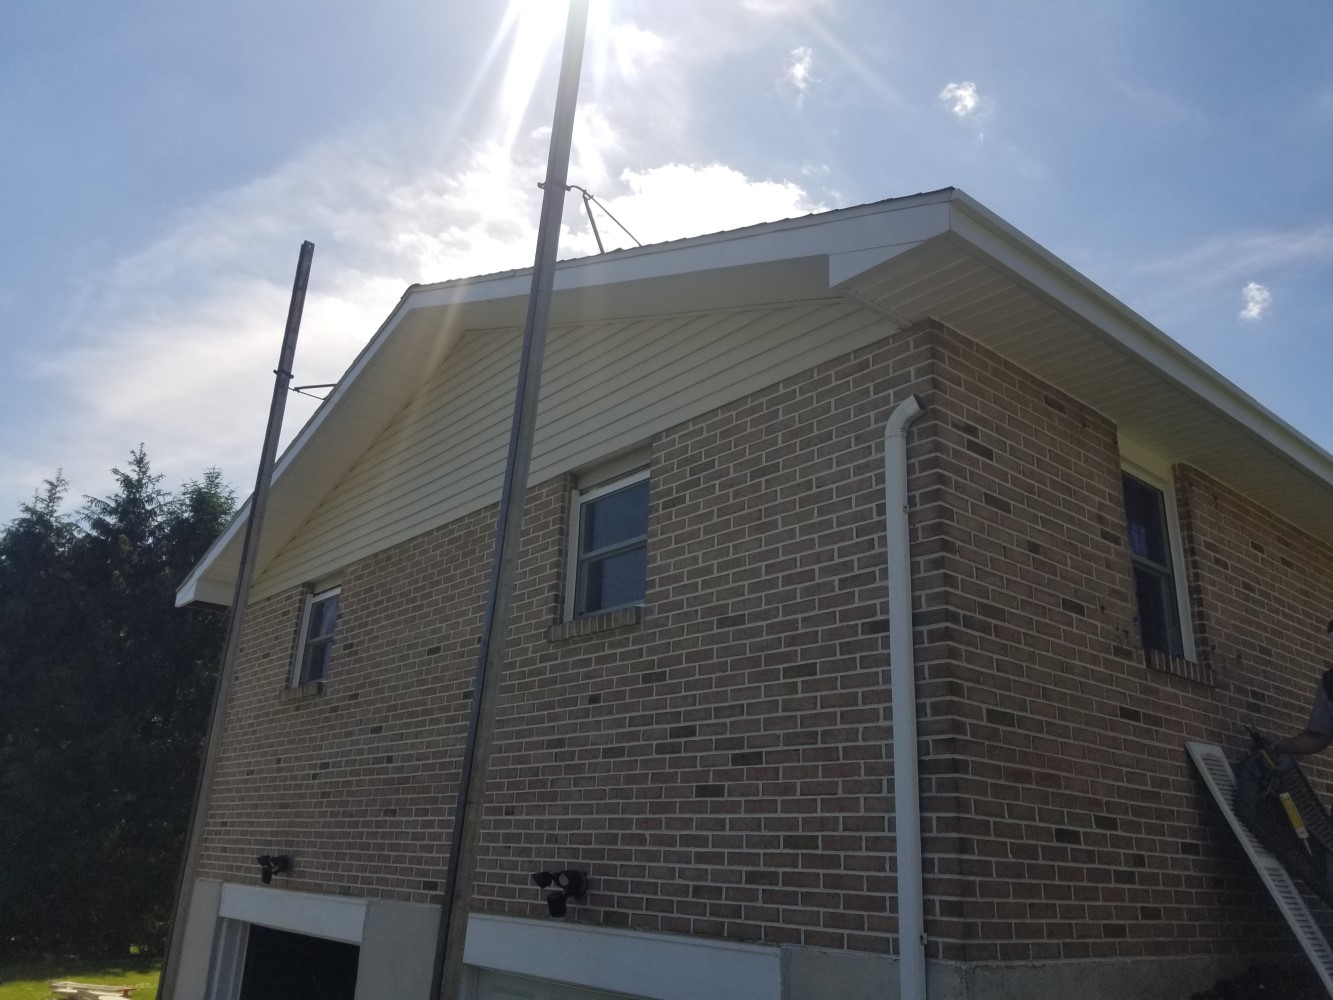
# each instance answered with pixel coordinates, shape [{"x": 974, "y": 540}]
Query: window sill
[
  {"x": 1178, "y": 666},
  {"x": 302, "y": 692},
  {"x": 601, "y": 621}
]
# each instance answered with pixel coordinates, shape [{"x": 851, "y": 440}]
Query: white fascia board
[
  {"x": 206, "y": 591},
  {"x": 880, "y": 228},
  {"x": 987, "y": 235},
  {"x": 661, "y": 966},
  {"x": 195, "y": 587}
]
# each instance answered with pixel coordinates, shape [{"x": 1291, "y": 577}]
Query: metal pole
[
  {"x": 447, "y": 975},
  {"x": 236, "y": 623},
  {"x": 587, "y": 198}
]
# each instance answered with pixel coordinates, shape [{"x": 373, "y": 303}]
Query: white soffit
[{"x": 992, "y": 284}]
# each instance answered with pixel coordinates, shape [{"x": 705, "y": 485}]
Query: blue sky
[{"x": 162, "y": 163}]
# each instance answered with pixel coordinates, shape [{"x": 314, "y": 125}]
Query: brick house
[{"x": 1110, "y": 550}]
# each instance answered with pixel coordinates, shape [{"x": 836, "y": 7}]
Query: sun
[{"x": 526, "y": 40}]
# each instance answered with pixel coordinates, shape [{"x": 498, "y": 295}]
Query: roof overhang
[{"x": 939, "y": 255}]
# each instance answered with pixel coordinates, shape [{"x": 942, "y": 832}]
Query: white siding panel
[{"x": 607, "y": 386}]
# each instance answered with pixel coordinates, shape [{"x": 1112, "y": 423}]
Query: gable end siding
[{"x": 606, "y": 387}]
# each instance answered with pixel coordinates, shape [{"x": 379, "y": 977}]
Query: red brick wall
[{"x": 719, "y": 763}]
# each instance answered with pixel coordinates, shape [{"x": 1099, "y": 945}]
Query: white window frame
[
  {"x": 578, "y": 499},
  {"x": 1157, "y": 473},
  {"x": 241, "y": 906},
  {"x": 313, "y": 596}
]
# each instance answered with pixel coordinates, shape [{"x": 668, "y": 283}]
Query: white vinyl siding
[{"x": 607, "y": 387}]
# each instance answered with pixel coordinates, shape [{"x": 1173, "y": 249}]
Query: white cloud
[
  {"x": 1258, "y": 300},
  {"x": 783, "y": 8},
  {"x": 961, "y": 97},
  {"x": 175, "y": 344},
  {"x": 1167, "y": 289},
  {"x": 799, "y": 69},
  {"x": 678, "y": 200},
  {"x": 1231, "y": 257},
  {"x": 634, "y": 48},
  {"x": 1156, "y": 105}
]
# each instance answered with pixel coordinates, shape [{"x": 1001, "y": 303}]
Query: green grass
[{"x": 31, "y": 982}]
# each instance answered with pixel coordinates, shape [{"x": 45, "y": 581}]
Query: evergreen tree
[{"x": 104, "y": 690}]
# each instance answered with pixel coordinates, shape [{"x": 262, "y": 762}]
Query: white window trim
[
  {"x": 1157, "y": 474},
  {"x": 323, "y": 915},
  {"x": 578, "y": 499},
  {"x": 313, "y": 596}
]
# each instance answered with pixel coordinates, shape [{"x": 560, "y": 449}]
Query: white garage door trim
[
  {"x": 310, "y": 913},
  {"x": 621, "y": 961},
  {"x": 491, "y": 984}
]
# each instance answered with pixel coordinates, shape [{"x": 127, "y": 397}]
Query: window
[
  {"x": 609, "y": 554},
  {"x": 317, "y": 627},
  {"x": 1156, "y": 587}
]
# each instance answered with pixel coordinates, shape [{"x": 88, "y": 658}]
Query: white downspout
[{"x": 902, "y": 671}]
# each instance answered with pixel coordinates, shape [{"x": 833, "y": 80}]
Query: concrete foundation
[
  {"x": 397, "y": 951},
  {"x": 398, "y": 940},
  {"x": 812, "y": 974},
  {"x": 197, "y": 945}
]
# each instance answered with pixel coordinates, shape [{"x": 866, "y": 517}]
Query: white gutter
[{"x": 902, "y": 671}]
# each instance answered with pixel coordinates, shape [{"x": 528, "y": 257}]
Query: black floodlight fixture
[
  {"x": 556, "y": 904},
  {"x": 573, "y": 883},
  {"x": 273, "y": 864},
  {"x": 569, "y": 884}
]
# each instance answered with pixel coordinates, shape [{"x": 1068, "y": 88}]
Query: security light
[
  {"x": 569, "y": 884},
  {"x": 273, "y": 864}
]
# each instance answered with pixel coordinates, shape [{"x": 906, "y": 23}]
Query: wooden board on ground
[{"x": 63, "y": 988}]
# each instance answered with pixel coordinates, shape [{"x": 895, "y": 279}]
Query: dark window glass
[
  {"x": 317, "y": 647},
  {"x": 1154, "y": 579},
  {"x": 1145, "y": 513},
  {"x": 280, "y": 965},
  {"x": 615, "y": 518},
  {"x": 616, "y": 580},
  {"x": 612, "y": 549}
]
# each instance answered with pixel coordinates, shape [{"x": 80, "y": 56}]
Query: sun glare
[
  {"x": 538, "y": 26},
  {"x": 526, "y": 41}
]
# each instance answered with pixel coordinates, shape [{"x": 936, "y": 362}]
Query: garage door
[{"x": 503, "y": 986}]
